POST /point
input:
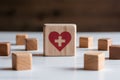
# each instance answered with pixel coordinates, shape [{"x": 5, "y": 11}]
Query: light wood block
[
  {"x": 20, "y": 39},
  {"x": 86, "y": 42},
  {"x": 114, "y": 52},
  {"x": 94, "y": 60},
  {"x": 31, "y": 44},
  {"x": 5, "y": 48},
  {"x": 22, "y": 61},
  {"x": 104, "y": 43},
  {"x": 60, "y": 39}
]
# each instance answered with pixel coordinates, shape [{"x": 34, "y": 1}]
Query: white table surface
[{"x": 59, "y": 68}]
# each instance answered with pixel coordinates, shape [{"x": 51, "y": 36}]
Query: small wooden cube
[
  {"x": 104, "y": 43},
  {"x": 20, "y": 39},
  {"x": 22, "y": 61},
  {"x": 60, "y": 39},
  {"x": 94, "y": 60},
  {"x": 86, "y": 42},
  {"x": 31, "y": 44},
  {"x": 4, "y": 48},
  {"x": 114, "y": 52}
]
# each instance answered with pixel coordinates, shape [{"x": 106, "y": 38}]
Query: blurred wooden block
[
  {"x": 60, "y": 39},
  {"x": 104, "y": 43},
  {"x": 31, "y": 44},
  {"x": 86, "y": 42},
  {"x": 20, "y": 39},
  {"x": 4, "y": 48},
  {"x": 114, "y": 52},
  {"x": 94, "y": 60},
  {"x": 22, "y": 61}
]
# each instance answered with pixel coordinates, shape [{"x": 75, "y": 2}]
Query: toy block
[
  {"x": 22, "y": 61},
  {"x": 20, "y": 39},
  {"x": 104, "y": 43},
  {"x": 114, "y": 52},
  {"x": 4, "y": 48},
  {"x": 94, "y": 60},
  {"x": 86, "y": 42},
  {"x": 31, "y": 44},
  {"x": 59, "y": 39}
]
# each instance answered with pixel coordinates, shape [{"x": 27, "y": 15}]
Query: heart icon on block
[{"x": 59, "y": 40}]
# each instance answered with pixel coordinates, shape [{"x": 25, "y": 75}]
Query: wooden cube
[
  {"x": 31, "y": 44},
  {"x": 20, "y": 39},
  {"x": 59, "y": 39},
  {"x": 104, "y": 43},
  {"x": 86, "y": 42},
  {"x": 114, "y": 52},
  {"x": 94, "y": 60},
  {"x": 22, "y": 61},
  {"x": 4, "y": 48}
]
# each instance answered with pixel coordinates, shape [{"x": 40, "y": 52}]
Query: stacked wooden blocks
[{"x": 22, "y": 61}]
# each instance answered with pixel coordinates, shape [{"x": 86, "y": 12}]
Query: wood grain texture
[
  {"x": 86, "y": 42},
  {"x": 94, "y": 60},
  {"x": 5, "y": 48},
  {"x": 20, "y": 39},
  {"x": 69, "y": 49},
  {"x": 104, "y": 43},
  {"x": 89, "y": 15},
  {"x": 22, "y": 61},
  {"x": 114, "y": 52},
  {"x": 31, "y": 44}
]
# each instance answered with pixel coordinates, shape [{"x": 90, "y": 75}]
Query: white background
[{"x": 59, "y": 68}]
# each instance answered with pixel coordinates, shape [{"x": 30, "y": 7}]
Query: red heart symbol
[{"x": 59, "y": 40}]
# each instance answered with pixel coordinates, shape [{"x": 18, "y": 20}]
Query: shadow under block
[
  {"x": 20, "y": 39},
  {"x": 59, "y": 39},
  {"x": 114, "y": 52},
  {"x": 22, "y": 61},
  {"x": 94, "y": 60},
  {"x": 86, "y": 42},
  {"x": 31, "y": 44},
  {"x": 4, "y": 48},
  {"x": 104, "y": 43}
]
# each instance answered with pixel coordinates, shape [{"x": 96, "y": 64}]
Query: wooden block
[
  {"x": 59, "y": 39},
  {"x": 20, "y": 39},
  {"x": 104, "y": 43},
  {"x": 31, "y": 44},
  {"x": 94, "y": 60},
  {"x": 86, "y": 42},
  {"x": 22, "y": 61},
  {"x": 114, "y": 52},
  {"x": 4, "y": 48}
]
